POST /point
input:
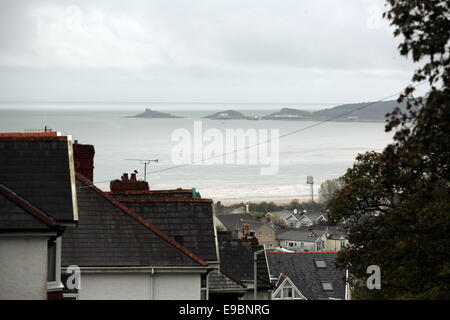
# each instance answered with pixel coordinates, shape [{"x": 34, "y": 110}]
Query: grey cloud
[{"x": 250, "y": 50}]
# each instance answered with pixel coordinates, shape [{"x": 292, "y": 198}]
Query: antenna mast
[{"x": 145, "y": 162}]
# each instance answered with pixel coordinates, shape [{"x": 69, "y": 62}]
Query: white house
[
  {"x": 36, "y": 207},
  {"x": 122, "y": 256}
]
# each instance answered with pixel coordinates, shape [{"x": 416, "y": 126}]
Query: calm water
[{"x": 325, "y": 151}]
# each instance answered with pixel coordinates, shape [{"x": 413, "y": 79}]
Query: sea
[{"x": 322, "y": 150}]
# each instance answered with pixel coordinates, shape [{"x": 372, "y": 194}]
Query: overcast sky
[{"x": 312, "y": 51}]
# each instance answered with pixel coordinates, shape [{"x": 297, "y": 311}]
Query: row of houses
[
  {"x": 305, "y": 238},
  {"x": 62, "y": 237}
]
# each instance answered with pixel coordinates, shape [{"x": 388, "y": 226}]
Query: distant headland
[
  {"x": 149, "y": 113},
  {"x": 355, "y": 112},
  {"x": 230, "y": 115}
]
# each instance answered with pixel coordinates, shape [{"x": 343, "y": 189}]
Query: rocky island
[
  {"x": 149, "y": 113},
  {"x": 228, "y": 115}
]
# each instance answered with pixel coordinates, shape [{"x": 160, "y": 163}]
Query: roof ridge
[
  {"x": 136, "y": 200},
  {"x": 301, "y": 252},
  {"x": 139, "y": 192},
  {"x": 141, "y": 220},
  {"x": 28, "y": 206}
]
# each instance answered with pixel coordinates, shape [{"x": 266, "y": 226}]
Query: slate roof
[
  {"x": 282, "y": 214},
  {"x": 236, "y": 258},
  {"x": 231, "y": 221},
  {"x": 188, "y": 220},
  {"x": 111, "y": 235},
  {"x": 220, "y": 280},
  {"x": 313, "y": 216},
  {"x": 300, "y": 267},
  {"x": 37, "y": 168},
  {"x": 18, "y": 215},
  {"x": 297, "y": 235}
]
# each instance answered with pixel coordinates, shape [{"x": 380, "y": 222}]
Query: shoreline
[{"x": 276, "y": 201}]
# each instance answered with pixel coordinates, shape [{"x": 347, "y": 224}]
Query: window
[
  {"x": 204, "y": 286},
  {"x": 287, "y": 292},
  {"x": 342, "y": 244},
  {"x": 51, "y": 260},
  {"x": 302, "y": 244},
  {"x": 54, "y": 265},
  {"x": 320, "y": 245},
  {"x": 320, "y": 264},
  {"x": 327, "y": 286}
]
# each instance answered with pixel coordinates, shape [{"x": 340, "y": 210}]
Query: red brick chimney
[
  {"x": 125, "y": 184},
  {"x": 83, "y": 156}
]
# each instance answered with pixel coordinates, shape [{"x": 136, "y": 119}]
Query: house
[
  {"x": 237, "y": 223},
  {"x": 334, "y": 238},
  {"x": 122, "y": 256},
  {"x": 306, "y": 275},
  {"x": 236, "y": 257},
  {"x": 286, "y": 217},
  {"x": 259, "y": 230},
  {"x": 300, "y": 240},
  {"x": 37, "y": 205},
  {"x": 230, "y": 221},
  {"x": 164, "y": 252},
  {"x": 306, "y": 219}
]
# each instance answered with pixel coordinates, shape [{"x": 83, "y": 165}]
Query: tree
[
  {"x": 328, "y": 188},
  {"x": 396, "y": 204}
]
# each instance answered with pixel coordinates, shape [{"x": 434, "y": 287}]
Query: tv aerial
[{"x": 145, "y": 162}]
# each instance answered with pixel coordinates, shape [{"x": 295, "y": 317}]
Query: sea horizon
[{"x": 117, "y": 138}]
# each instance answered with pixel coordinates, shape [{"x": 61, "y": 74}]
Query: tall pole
[
  {"x": 310, "y": 180},
  {"x": 255, "y": 258},
  {"x": 145, "y": 170}
]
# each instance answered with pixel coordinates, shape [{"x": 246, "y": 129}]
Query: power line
[
  {"x": 286, "y": 134},
  {"x": 279, "y": 137}
]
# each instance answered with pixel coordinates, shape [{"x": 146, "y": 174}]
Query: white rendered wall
[
  {"x": 23, "y": 268},
  {"x": 137, "y": 286},
  {"x": 174, "y": 286}
]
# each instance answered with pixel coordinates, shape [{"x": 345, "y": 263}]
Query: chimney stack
[
  {"x": 245, "y": 230},
  {"x": 83, "y": 156},
  {"x": 128, "y": 184}
]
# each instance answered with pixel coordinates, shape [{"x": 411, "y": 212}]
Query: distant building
[
  {"x": 306, "y": 219},
  {"x": 300, "y": 240},
  {"x": 237, "y": 223}
]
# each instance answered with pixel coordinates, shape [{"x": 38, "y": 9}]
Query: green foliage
[{"x": 396, "y": 204}]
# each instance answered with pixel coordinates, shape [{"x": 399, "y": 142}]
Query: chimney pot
[
  {"x": 125, "y": 177},
  {"x": 133, "y": 177}
]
